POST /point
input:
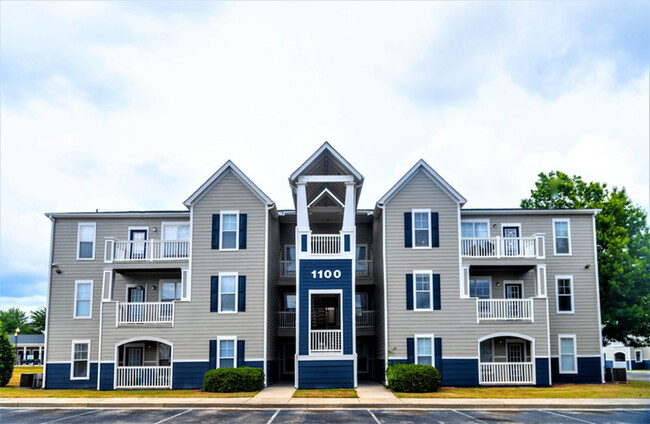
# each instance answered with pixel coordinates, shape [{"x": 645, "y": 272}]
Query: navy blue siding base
[
  {"x": 460, "y": 372},
  {"x": 325, "y": 374},
  {"x": 397, "y": 361},
  {"x": 106, "y": 377},
  {"x": 588, "y": 371},
  {"x": 609, "y": 364},
  {"x": 254, "y": 364},
  {"x": 58, "y": 377},
  {"x": 643, "y": 365},
  {"x": 189, "y": 375},
  {"x": 541, "y": 371}
]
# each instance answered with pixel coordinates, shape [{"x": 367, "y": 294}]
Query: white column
[
  {"x": 301, "y": 207},
  {"x": 40, "y": 353},
  {"x": 24, "y": 353},
  {"x": 350, "y": 207}
]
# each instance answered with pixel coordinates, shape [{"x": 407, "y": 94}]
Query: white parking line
[
  {"x": 566, "y": 416},
  {"x": 273, "y": 417},
  {"x": 174, "y": 416},
  {"x": 469, "y": 416},
  {"x": 71, "y": 416},
  {"x": 373, "y": 416}
]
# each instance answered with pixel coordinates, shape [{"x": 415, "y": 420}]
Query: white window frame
[
  {"x": 425, "y": 211},
  {"x": 313, "y": 292},
  {"x": 640, "y": 357},
  {"x": 172, "y": 224},
  {"x": 416, "y": 337},
  {"x": 227, "y": 338},
  {"x": 92, "y": 293},
  {"x": 415, "y": 290},
  {"x": 72, "y": 361},
  {"x": 568, "y": 227},
  {"x": 475, "y": 221},
  {"x": 229, "y": 274},
  {"x": 557, "y": 294},
  {"x": 520, "y": 283},
  {"x": 575, "y": 353},
  {"x": 160, "y": 291},
  {"x": 221, "y": 214},
  {"x": 469, "y": 286},
  {"x": 89, "y": 224}
]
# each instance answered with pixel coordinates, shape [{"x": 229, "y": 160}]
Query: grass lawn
[
  {"x": 325, "y": 393},
  {"x": 12, "y": 390},
  {"x": 633, "y": 389}
]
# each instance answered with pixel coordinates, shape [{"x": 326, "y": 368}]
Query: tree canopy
[
  {"x": 623, "y": 246},
  {"x": 14, "y": 318}
]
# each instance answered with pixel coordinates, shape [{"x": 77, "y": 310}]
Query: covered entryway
[
  {"x": 143, "y": 363},
  {"x": 506, "y": 358}
]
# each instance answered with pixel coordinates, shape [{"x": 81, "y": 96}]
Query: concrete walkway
[{"x": 275, "y": 394}]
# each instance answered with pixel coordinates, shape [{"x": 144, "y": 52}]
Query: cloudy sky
[{"x": 131, "y": 106}]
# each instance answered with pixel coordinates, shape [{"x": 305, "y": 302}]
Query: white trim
[
  {"x": 134, "y": 286},
  {"x": 557, "y": 294},
  {"x": 512, "y": 224},
  {"x": 433, "y": 347},
  {"x": 89, "y": 224},
  {"x": 427, "y": 212},
  {"x": 326, "y": 291},
  {"x": 415, "y": 297},
  {"x": 327, "y": 357},
  {"x": 514, "y": 211},
  {"x": 519, "y": 283},
  {"x": 478, "y": 277},
  {"x": 507, "y": 334},
  {"x": 144, "y": 339},
  {"x": 170, "y": 281},
  {"x": 337, "y": 155},
  {"x": 49, "y": 290},
  {"x": 266, "y": 291},
  {"x": 77, "y": 342},
  {"x": 385, "y": 285},
  {"x": 221, "y": 214},
  {"x": 509, "y": 342},
  {"x": 600, "y": 325},
  {"x": 640, "y": 352},
  {"x": 568, "y": 222},
  {"x": 322, "y": 193},
  {"x": 575, "y": 353},
  {"x": 474, "y": 221},
  {"x": 226, "y": 338},
  {"x": 172, "y": 224},
  {"x": 228, "y": 274},
  {"x": 137, "y": 228},
  {"x": 326, "y": 179},
  {"x": 188, "y": 292},
  {"x": 92, "y": 295}
]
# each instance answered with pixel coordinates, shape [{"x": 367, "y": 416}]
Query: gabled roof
[
  {"x": 326, "y": 198},
  {"x": 325, "y": 150},
  {"x": 421, "y": 165},
  {"x": 198, "y": 194}
]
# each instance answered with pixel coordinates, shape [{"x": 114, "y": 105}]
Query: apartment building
[{"x": 325, "y": 294}]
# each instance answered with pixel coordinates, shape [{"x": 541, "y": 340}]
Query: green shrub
[
  {"x": 413, "y": 378},
  {"x": 7, "y": 357},
  {"x": 230, "y": 380}
]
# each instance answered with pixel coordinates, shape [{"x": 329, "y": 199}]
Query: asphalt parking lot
[{"x": 267, "y": 416}]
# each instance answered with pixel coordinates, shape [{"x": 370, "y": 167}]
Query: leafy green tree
[
  {"x": 623, "y": 245},
  {"x": 37, "y": 321},
  {"x": 7, "y": 357},
  {"x": 15, "y": 318}
]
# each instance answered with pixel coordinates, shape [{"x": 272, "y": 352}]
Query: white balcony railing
[
  {"x": 146, "y": 250},
  {"x": 506, "y": 373},
  {"x": 145, "y": 313},
  {"x": 504, "y": 309},
  {"x": 325, "y": 244},
  {"x": 503, "y": 247},
  {"x": 287, "y": 319},
  {"x": 144, "y": 377},
  {"x": 364, "y": 318},
  {"x": 363, "y": 268},
  {"x": 326, "y": 341},
  {"x": 287, "y": 268}
]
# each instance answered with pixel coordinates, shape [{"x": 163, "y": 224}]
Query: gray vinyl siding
[{"x": 378, "y": 273}]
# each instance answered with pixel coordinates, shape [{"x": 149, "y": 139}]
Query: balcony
[
  {"x": 503, "y": 247},
  {"x": 326, "y": 341},
  {"x": 145, "y": 313},
  {"x": 504, "y": 309},
  {"x": 287, "y": 319},
  {"x": 506, "y": 373},
  {"x": 365, "y": 319},
  {"x": 325, "y": 244},
  {"x": 143, "y": 377},
  {"x": 363, "y": 268},
  {"x": 146, "y": 250}
]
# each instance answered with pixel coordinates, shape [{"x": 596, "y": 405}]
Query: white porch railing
[
  {"x": 287, "y": 268},
  {"x": 145, "y": 313},
  {"x": 504, "y": 309},
  {"x": 503, "y": 247},
  {"x": 146, "y": 250},
  {"x": 364, "y": 318},
  {"x": 326, "y": 341},
  {"x": 325, "y": 244},
  {"x": 287, "y": 319},
  {"x": 506, "y": 373},
  {"x": 363, "y": 268},
  {"x": 143, "y": 378}
]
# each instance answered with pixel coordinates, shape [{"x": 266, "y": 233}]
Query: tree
[
  {"x": 7, "y": 357},
  {"x": 15, "y": 318},
  {"x": 623, "y": 246},
  {"x": 37, "y": 322}
]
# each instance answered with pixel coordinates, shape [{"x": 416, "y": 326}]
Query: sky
[{"x": 133, "y": 105}]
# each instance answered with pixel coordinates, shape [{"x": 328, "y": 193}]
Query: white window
[
  {"x": 568, "y": 357},
  {"x": 170, "y": 291},
  {"x": 228, "y": 292},
  {"x": 424, "y": 350},
  {"x": 175, "y": 231},
  {"x": 474, "y": 229},
  {"x": 564, "y": 292},
  {"x": 80, "y": 363},
  {"x": 421, "y": 228},
  {"x": 86, "y": 240},
  {"x": 562, "y": 237},
  {"x": 479, "y": 287},
  {"x": 226, "y": 352},
  {"x": 83, "y": 299},
  {"x": 423, "y": 292},
  {"x": 229, "y": 230},
  {"x": 638, "y": 356}
]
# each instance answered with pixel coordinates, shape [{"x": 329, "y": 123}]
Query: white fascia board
[
  {"x": 482, "y": 212},
  {"x": 337, "y": 155}
]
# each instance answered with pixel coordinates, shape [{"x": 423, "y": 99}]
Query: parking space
[{"x": 315, "y": 416}]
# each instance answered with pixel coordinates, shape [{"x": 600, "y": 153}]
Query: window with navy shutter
[
  {"x": 241, "y": 302},
  {"x": 241, "y": 353},
  {"x": 410, "y": 350},
  {"x": 435, "y": 232},
  {"x": 409, "y": 292},
  {"x": 436, "y": 291},
  {"x": 438, "y": 353},
  {"x": 215, "y": 231},
  {"x": 242, "y": 230},
  {"x": 408, "y": 228},
  {"x": 214, "y": 293}
]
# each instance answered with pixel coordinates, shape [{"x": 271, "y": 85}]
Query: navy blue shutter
[
  {"x": 240, "y": 353},
  {"x": 242, "y": 231},
  {"x": 438, "y": 353},
  {"x": 303, "y": 242},
  {"x": 213, "y": 354},
  {"x": 241, "y": 305},
  {"x": 346, "y": 242},
  {"x": 436, "y": 291},
  {"x": 410, "y": 350},
  {"x": 408, "y": 235},
  {"x": 214, "y": 293},
  {"x": 435, "y": 232},
  {"x": 215, "y": 231},
  {"x": 409, "y": 292}
]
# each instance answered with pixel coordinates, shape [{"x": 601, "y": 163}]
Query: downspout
[
  {"x": 49, "y": 291},
  {"x": 266, "y": 290},
  {"x": 385, "y": 282},
  {"x": 600, "y": 324}
]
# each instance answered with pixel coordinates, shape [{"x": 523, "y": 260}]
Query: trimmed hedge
[
  {"x": 413, "y": 378},
  {"x": 230, "y": 380}
]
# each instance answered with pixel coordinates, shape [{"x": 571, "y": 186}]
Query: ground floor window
[
  {"x": 80, "y": 359},
  {"x": 424, "y": 350},
  {"x": 227, "y": 352},
  {"x": 637, "y": 356},
  {"x": 568, "y": 360}
]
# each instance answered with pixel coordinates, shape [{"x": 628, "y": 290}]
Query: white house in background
[
  {"x": 618, "y": 355},
  {"x": 30, "y": 348}
]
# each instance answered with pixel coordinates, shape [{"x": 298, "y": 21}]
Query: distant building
[
  {"x": 30, "y": 348},
  {"x": 617, "y": 355}
]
